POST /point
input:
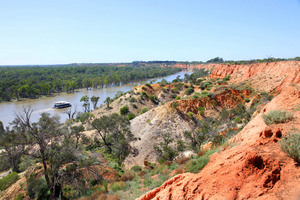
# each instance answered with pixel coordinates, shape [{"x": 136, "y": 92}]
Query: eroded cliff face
[
  {"x": 253, "y": 166},
  {"x": 228, "y": 99}
]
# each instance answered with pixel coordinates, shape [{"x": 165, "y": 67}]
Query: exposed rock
[
  {"x": 255, "y": 168},
  {"x": 149, "y": 127}
]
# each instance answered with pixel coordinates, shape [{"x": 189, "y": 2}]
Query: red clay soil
[{"x": 253, "y": 166}]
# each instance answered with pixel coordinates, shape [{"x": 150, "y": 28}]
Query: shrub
[
  {"x": 173, "y": 96},
  {"x": 37, "y": 188},
  {"x": 134, "y": 105},
  {"x": 204, "y": 94},
  {"x": 132, "y": 99},
  {"x": 199, "y": 163},
  {"x": 291, "y": 145},
  {"x": 153, "y": 98},
  {"x": 124, "y": 110},
  {"x": 127, "y": 176},
  {"x": 190, "y": 114},
  {"x": 189, "y": 91},
  {"x": 19, "y": 197},
  {"x": 148, "y": 85},
  {"x": 201, "y": 108},
  {"x": 8, "y": 180},
  {"x": 144, "y": 110},
  {"x": 136, "y": 168},
  {"x": 247, "y": 100},
  {"x": 175, "y": 104},
  {"x": 82, "y": 116},
  {"x": 177, "y": 98},
  {"x": 143, "y": 88},
  {"x": 276, "y": 117},
  {"x": 131, "y": 116},
  {"x": 144, "y": 94},
  {"x": 120, "y": 185},
  {"x": 238, "y": 120}
]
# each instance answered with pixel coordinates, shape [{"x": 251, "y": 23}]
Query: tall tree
[
  {"x": 115, "y": 134},
  {"x": 86, "y": 105},
  {"x": 107, "y": 101},
  {"x": 95, "y": 100}
]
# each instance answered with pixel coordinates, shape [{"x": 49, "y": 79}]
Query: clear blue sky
[{"x": 91, "y": 31}]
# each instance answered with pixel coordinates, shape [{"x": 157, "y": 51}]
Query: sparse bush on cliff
[
  {"x": 124, "y": 110},
  {"x": 276, "y": 117},
  {"x": 143, "y": 110},
  {"x": 131, "y": 116},
  {"x": 175, "y": 104},
  {"x": 153, "y": 98},
  {"x": 165, "y": 151},
  {"x": 291, "y": 145},
  {"x": 189, "y": 91},
  {"x": 198, "y": 163},
  {"x": 190, "y": 114},
  {"x": 148, "y": 85},
  {"x": 136, "y": 168},
  {"x": 8, "y": 180}
]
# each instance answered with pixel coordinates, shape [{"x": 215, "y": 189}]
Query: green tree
[
  {"x": 124, "y": 110},
  {"x": 164, "y": 150},
  {"x": 107, "y": 101},
  {"x": 86, "y": 105},
  {"x": 76, "y": 131},
  {"x": 46, "y": 142},
  {"x": 115, "y": 134},
  {"x": 12, "y": 142},
  {"x": 95, "y": 100}
]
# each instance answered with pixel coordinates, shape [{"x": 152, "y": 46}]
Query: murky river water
[{"x": 45, "y": 104}]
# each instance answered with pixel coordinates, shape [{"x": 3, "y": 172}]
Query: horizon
[{"x": 61, "y": 33}]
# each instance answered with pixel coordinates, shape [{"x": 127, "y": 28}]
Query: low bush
[
  {"x": 19, "y": 197},
  {"x": 127, "y": 176},
  {"x": 198, "y": 163},
  {"x": 148, "y": 85},
  {"x": 136, "y": 168},
  {"x": 276, "y": 117},
  {"x": 190, "y": 114},
  {"x": 175, "y": 104},
  {"x": 120, "y": 185},
  {"x": 124, "y": 110},
  {"x": 291, "y": 145},
  {"x": 173, "y": 96},
  {"x": 153, "y": 98},
  {"x": 177, "y": 98},
  {"x": 134, "y": 105},
  {"x": 189, "y": 91},
  {"x": 8, "y": 180},
  {"x": 144, "y": 110},
  {"x": 132, "y": 99},
  {"x": 131, "y": 116}
]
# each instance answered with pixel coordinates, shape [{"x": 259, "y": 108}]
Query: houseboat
[{"x": 62, "y": 104}]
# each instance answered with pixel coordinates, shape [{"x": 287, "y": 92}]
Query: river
[{"x": 45, "y": 104}]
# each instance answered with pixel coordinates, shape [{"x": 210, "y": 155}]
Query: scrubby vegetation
[
  {"x": 73, "y": 165},
  {"x": 276, "y": 117},
  {"x": 8, "y": 180},
  {"x": 291, "y": 145}
]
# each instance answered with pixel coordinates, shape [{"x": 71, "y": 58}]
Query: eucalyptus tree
[{"x": 95, "y": 100}]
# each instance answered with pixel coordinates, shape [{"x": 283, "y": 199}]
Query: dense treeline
[{"x": 31, "y": 82}]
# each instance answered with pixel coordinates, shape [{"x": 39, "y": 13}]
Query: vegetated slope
[
  {"x": 254, "y": 167},
  {"x": 149, "y": 127}
]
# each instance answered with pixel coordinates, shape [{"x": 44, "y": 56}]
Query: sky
[{"x": 98, "y": 31}]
